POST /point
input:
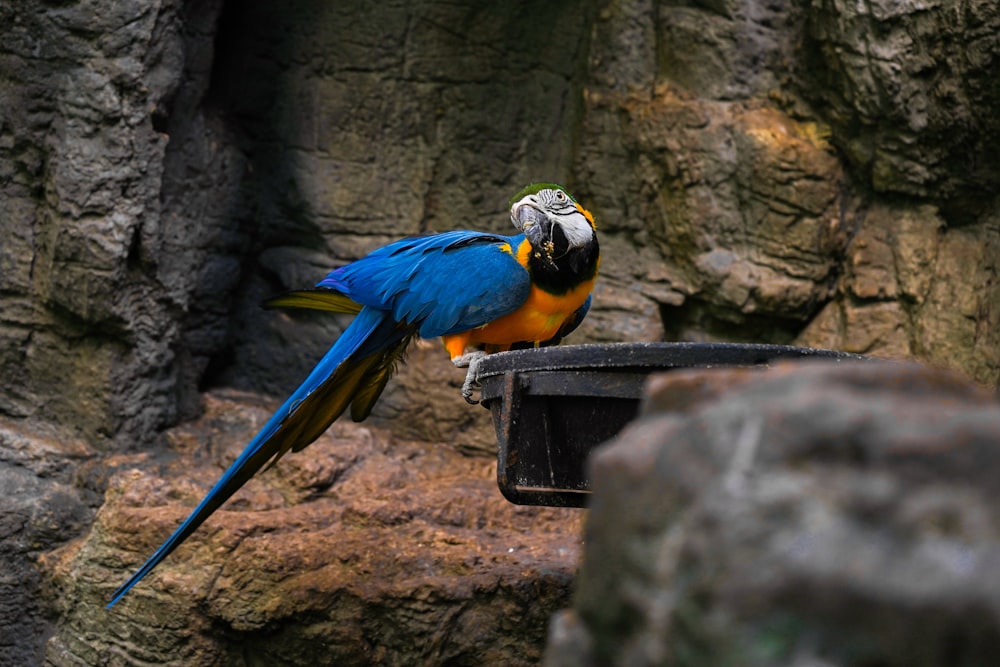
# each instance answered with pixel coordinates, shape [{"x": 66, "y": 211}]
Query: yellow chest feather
[{"x": 538, "y": 319}]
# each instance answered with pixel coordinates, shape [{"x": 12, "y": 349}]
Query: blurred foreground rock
[
  {"x": 363, "y": 549},
  {"x": 817, "y": 514}
]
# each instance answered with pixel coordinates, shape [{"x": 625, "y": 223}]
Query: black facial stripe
[
  {"x": 560, "y": 244},
  {"x": 562, "y": 274}
]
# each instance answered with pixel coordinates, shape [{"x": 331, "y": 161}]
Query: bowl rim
[{"x": 656, "y": 355}]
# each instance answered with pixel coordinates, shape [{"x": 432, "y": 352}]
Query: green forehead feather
[{"x": 535, "y": 188}]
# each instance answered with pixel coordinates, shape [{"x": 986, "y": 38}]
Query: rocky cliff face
[
  {"x": 803, "y": 172},
  {"x": 821, "y": 173}
]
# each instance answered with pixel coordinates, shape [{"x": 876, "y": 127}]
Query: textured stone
[
  {"x": 363, "y": 127},
  {"x": 363, "y": 549},
  {"x": 760, "y": 153},
  {"x": 915, "y": 287},
  {"x": 820, "y": 173},
  {"x": 909, "y": 88},
  {"x": 814, "y": 513},
  {"x": 743, "y": 202},
  {"x": 42, "y": 508},
  {"x": 87, "y": 329},
  {"x": 154, "y": 155}
]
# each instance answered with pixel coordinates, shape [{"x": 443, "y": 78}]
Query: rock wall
[
  {"x": 802, "y": 172},
  {"x": 86, "y": 327},
  {"x": 820, "y": 173}
]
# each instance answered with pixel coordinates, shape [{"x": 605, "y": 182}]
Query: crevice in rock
[{"x": 699, "y": 321}]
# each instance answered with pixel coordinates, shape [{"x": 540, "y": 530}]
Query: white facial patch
[{"x": 575, "y": 227}]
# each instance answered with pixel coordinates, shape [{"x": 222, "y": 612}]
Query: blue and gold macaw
[{"x": 480, "y": 293}]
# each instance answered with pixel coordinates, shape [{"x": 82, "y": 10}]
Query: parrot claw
[{"x": 470, "y": 360}]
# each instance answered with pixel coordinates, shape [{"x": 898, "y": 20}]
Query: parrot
[{"x": 480, "y": 293}]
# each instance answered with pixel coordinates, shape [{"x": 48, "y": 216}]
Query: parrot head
[{"x": 556, "y": 226}]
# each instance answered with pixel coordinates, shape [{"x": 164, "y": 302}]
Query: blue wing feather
[
  {"x": 367, "y": 333},
  {"x": 434, "y": 285},
  {"x": 447, "y": 282}
]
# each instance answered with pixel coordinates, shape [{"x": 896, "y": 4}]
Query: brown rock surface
[
  {"x": 363, "y": 549},
  {"x": 750, "y": 148},
  {"x": 905, "y": 292},
  {"x": 816, "y": 513},
  {"x": 41, "y": 506}
]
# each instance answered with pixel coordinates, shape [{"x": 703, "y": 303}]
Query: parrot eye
[{"x": 560, "y": 195}]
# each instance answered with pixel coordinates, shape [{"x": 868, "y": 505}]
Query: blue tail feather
[{"x": 363, "y": 337}]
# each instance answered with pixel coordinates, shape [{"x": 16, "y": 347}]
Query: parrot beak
[
  {"x": 538, "y": 228},
  {"x": 535, "y": 225},
  {"x": 526, "y": 215}
]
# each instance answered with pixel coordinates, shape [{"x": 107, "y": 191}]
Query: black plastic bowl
[{"x": 551, "y": 406}]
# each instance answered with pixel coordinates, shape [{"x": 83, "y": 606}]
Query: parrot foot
[{"x": 470, "y": 360}]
